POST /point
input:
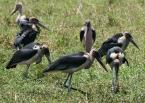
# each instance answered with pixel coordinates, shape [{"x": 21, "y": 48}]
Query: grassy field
[{"x": 64, "y": 20}]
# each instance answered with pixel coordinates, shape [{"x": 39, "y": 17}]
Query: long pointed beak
[
  {"x": 101, "y": 63},
  {"x": 48, "y": 58},
  {"x": 41, "y": 25},
  {"x": 13, "y": 11},
  {"x": 133, "y": 42}
]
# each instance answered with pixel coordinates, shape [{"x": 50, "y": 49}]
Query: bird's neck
[
  {"x": 20, "y": 12},
  {"x": 90, "y": 57},
  {"x": 89, "y": 61},
  {"x": 88, "y": 40}
]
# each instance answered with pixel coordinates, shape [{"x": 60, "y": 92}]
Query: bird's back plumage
[
  {"x": 19, "y": 56},
  {"x": 67, "y": 62}
]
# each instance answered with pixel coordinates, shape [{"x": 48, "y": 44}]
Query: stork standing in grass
[
  {"x": 120, "y": 39},
  {"x": 21, "y": 19},
  {"x": 27, "y": 33},
  {"x": 31, "y": 53},
  {"x": 87, "y": 36},
  {"x": 72, "y": 63},
  {"x": 115, "y": 58}
]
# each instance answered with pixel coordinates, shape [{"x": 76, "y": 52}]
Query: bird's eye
[{"x": 36, "y": 47}]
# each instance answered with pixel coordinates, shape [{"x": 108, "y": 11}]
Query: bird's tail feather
[{"x": 8, "y": 66}]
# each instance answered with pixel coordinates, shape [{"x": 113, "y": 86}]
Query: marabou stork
[
  {"x": 120, "y": 39},
  {"x": 21, "y": 19},
  {"x": 31, "y": 53},
  {"x": 87, "y": 36},
  {"x": 115, "y": 58},
  {"x": 72, "y": 63}
]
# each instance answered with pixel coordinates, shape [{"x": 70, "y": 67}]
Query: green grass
[{"x": 107, "y": 17}]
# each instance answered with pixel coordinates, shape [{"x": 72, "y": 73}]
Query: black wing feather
[
  {"x": 81, "y": 35},
  {"x": 77, "y": 54},
  {"x": 21, "y": 55},
  {"x": 94, "y": 35},
  {"x": 118, "y": 35},
  {"x": 66, "y": 62},
  {"x": 113, "y": 39},
  {"x": 29, "y": 37},
  {"x": 30, "y": 45},
  {"x": 108, "y": 59},
  {"x": 110, "y": 43},
  {"x": 105, "y": 47}
]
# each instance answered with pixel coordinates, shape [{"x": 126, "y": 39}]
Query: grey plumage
[
  {"x": 44, "y": 50},
  {"x": 115, "y": 58},
  {"x": 27, "y": 56},
  {"x": 31, "y": 45},
  {"x": 87, "y": 36},
  {"x": 21, "y": 19},
  {"x": 72, "y": 63},
  {"x": 28, "y": 35},
  {"x": 120, "y": 39}
]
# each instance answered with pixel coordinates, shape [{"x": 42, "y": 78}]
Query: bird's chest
[
  {"x": 20, "y": 18},
  {"x": 123, "y": 41},
  {"x": 88, "y": 64},
  {"x": 88, "y": 36}
]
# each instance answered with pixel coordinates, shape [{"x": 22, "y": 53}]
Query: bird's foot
[
  {"x": 115, "y": 89},
  {"x": 25, "y": 76},
  {"x": 68, "y": 87},
  {"x": 39, "y": 76}
]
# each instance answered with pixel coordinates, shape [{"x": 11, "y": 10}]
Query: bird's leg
[
  {"x": 115, "y": 84},
  {"x": 117, "y": 81},
  {"x": 67, "y": 83},
  {"x": 26, "y": 72}
]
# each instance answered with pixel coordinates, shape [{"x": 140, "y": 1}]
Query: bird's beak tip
[
  {"x": 13, "y": 12},
  {"x": 41, "y": 25},
  {"x": 102, "y": 64},
  {"x": 134, "y": 43},
  {"x": 138, "y": 48},
  {"x": 48, "y": 58}
]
